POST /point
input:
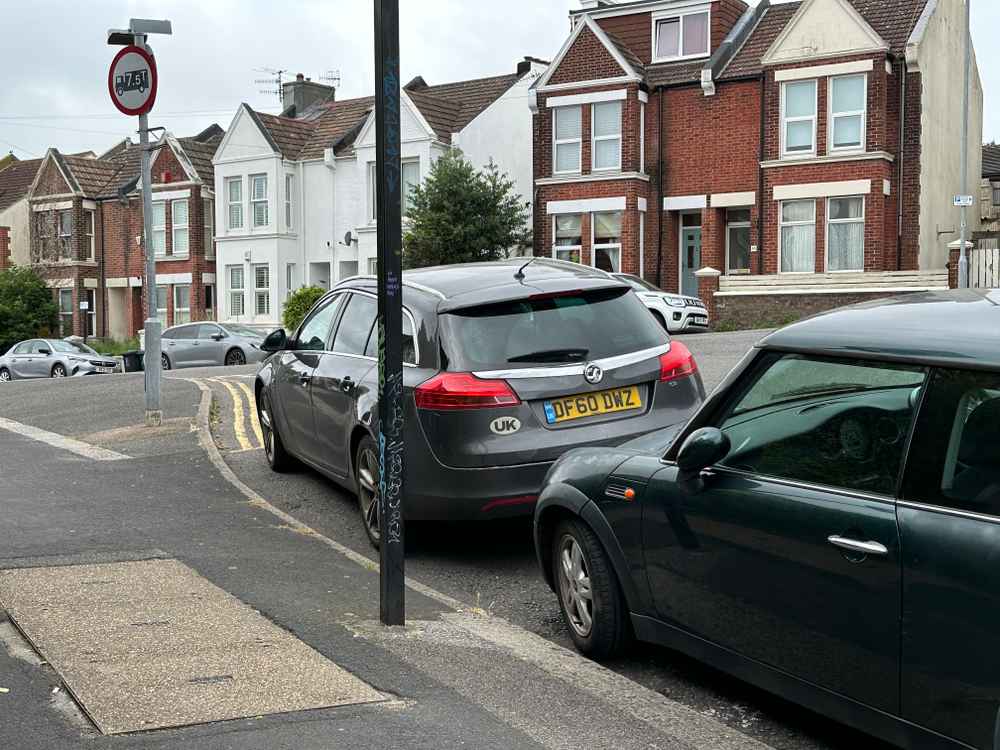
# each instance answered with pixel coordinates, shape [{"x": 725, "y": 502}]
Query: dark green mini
[{"x": 826, "y": 526}]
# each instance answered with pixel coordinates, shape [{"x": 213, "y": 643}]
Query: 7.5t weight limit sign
[{"x": 132, "y": 81}]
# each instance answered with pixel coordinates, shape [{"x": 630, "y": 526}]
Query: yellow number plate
[{"x": 591, "y": 404}]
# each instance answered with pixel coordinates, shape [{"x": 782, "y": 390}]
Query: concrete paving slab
[{"x": 158, "y": 646}]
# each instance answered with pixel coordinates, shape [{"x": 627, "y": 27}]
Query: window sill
[{"x": 680, "y": 58}]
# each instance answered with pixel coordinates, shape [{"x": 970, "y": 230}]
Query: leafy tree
[
  {"x": 461, "y": 215},
  {"x": 298, "y": 304},
  {"x": 27, "y": 308}
]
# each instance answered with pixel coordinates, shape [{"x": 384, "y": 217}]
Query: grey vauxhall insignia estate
[
  {"x": 207, "y": 343},
  {"x": 506, "y": 369},
  {"x": 52, "y": 358}
]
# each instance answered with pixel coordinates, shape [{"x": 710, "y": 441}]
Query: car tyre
[
  {"x": 590, "y": 597},
  {"x": 366, "y": 478},
  {"x": 235, "y": 358},
  {"x": 5, "y": 376},
  {"x": 58, "y": 370},
  {"x": 279, "y": 459},
  {"x": 661, "y": 320},
  {"x": 164, "y": 361}
]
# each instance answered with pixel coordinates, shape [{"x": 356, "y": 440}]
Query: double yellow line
[{"x": 238, "y": 391}]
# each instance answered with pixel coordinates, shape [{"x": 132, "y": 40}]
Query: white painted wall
[
  {"x": 940, "y": 57},
  {"x": 17, "y": 217},
  {"x": 826, "y": 28},
  {"x": 503, "y": 133}
]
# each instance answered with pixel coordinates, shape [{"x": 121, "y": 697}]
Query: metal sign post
[
  {"x": 132, "y": 83},
  {"x": 963, "y": 257},
  {"x": 390, "y": 313}
]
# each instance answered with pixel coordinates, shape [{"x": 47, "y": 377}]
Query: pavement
[{"x": 482, "y": 663}]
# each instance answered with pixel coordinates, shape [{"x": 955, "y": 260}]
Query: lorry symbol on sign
[{"x": 132, "y": 80}]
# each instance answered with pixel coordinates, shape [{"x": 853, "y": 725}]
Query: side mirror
[
  {"x": 276, "y": 341},
  {"x": 702, "y": 449},
  {"x": 46, "y": 352},
  {"x": 218, "y": 336}
]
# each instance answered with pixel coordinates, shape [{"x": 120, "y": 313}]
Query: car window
[
  {"x": 409, "y": 342},
  {"x": 72, "y": 347},
  {"x": 38, "y": 347},
  {"x": 955, "y": 459},
  {"x": 833, "y": 422},
  {"x": 185, "y": 332},
  {"x": 206, "y": 331},
  {"x": 355, "y": 325},
  {"x": 574, "y": 326},
  {"x": 23, "y": 348},
  {"x": 315, "y": 332}
]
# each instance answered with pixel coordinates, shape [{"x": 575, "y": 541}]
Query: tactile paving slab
[{"x": 151, "y": 644}]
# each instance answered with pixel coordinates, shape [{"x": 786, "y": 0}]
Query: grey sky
[{"x": 57, "y": 59}]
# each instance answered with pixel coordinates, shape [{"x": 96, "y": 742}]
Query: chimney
[
  {"x": 4, "y": 248},
  {"x": 303, "y": 92}
]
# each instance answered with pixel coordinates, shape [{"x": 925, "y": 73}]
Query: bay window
[
  {"x": 65, "y": 219},
  {"x": 159, "y": 228},
  {"x": 606, "y": 141},
  {"x": 411, "y": 178},
  {"x": 179, "y": 227},
  {"x": 568, "y": 131},
  {"x": 568, "y": 237},
  {"x": 209, "y": 209},
  {"x": 845, "y": 234},
  {"x": 262, "y": 289},
  {"x": 607, "y": 229},
  {"x": 848, "y": 95},
  {"x": 289, "y": 189},
  {"x": 236, "y": 306},
  {"x": 234, "y": 196},
  {"x": 798, "y": 118},
  {"x": 258, "y": 199},
  {"x": 797, "y": 238},
  {"x": 88, "y": 227},
  {"x": 681, "y": 36}
]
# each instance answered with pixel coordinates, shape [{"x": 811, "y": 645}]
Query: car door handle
[
  {"x": 305, "y": 378},
  {"x": 868, "y": 548},
  {"x": 347, "y": 385}
]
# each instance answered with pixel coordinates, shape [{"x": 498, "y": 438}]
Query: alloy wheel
[
  {"x": 266, "y": 427},
  {"x": 4, "y": 376},
  {"x": 368, "y": 491},
  {"x": 58, "y": 371},
  {"x": 164, "y": 362},
  {"x": 574, "y": 586},
  {"x": 235, "y": 358}
]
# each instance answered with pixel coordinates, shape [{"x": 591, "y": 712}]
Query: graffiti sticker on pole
[{"x": 132, "y": 80}]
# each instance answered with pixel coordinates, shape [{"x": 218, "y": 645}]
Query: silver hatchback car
[
  {"x": 52, "y": 358},
  {"x": 209, "y": 343}
]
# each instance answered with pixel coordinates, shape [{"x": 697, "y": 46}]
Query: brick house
[
  {"x": 755, "y": 156},
  {"x": 16, "y": 177},
  {"x": 85, "y": 230}
]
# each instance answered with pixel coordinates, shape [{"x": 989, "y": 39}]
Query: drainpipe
[
  {"x": 760, "y": 177},
  {"x": 902, "y": 151},
  {"x": 102, "y": 273},
  {"x": 659, "y": 189}
]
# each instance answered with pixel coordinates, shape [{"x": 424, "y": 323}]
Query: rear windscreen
[{"x": 576, "y": 327}]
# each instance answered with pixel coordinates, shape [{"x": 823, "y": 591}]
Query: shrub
[
  {"x": 298, "y": 304},
  {"x": 27, "y": 308}
]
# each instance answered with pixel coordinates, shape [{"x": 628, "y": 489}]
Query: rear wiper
[{"x": 552, "y": 355}]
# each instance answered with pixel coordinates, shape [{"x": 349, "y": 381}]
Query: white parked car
[{"x": 675, "y": 312}]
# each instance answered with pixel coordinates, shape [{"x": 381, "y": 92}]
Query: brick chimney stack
[
  {"x": 4, "y": 248},
  {"x": 304, "y": 92}
]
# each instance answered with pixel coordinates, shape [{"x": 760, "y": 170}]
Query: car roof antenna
[{"x": 520, "y": 271}]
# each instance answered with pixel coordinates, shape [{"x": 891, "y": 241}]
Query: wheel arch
[
  {"x": 563, "y": 501},
  {"x": 234, "y": 348},
  {"x": 359, "y": 433}
]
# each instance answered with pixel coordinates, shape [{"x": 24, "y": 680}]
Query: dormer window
[{"x": 680, "y": 36}]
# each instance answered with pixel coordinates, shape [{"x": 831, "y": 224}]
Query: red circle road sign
[{"x": 132, "y": 80}]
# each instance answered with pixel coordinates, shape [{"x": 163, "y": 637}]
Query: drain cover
[{"x": 151, "y": 644}]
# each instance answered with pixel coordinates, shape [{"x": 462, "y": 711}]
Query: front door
[
  {"x": 762, "y": 555},
  {"x": 690, "y": 253},
  {"x": 738, "y": 241},
  {"x": 338, "y": 383}
]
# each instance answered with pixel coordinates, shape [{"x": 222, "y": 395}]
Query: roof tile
[{"x": 15, "y": 181}]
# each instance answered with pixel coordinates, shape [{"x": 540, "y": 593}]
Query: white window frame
[
  {"x": 785, "y": 154},
  {"x": 594, "y": 139},
  {"x": 737, "y": 225},
  {"x": 208, "y": 208},
  {"x": 556, "y": 142},
  {"x": 65, "y": 234},
  {"x": 372, "y": 194},
  {"x": 782, "y": 223},
  {"x": 289, "y": 279},
  {"x": 178, "y": 308},
  {"x": 415, "y": 161},
  {"x": 826, "y": 232},
  {"x": 373, "y": 266},
  {"x": 863, "y": 113},
  {"x": 642, "y": 137},
  {"x": 210, "y": 312},
  {"x": 159, "y": 229},
  {"x": 236, "y": 292},
  {"x": 65, "y": 316},
  {"x": 567, "y": 248},
  {"x": 255, "y": 201},
  {"x": 230, "y": 204},
  {"x": 659, "y": 18},
  {"x": 88, "y": 229},
  {"x": 174, "y": 226},
  {"x": 261, "y": 291},
  {"x": 594, "y": 247},
  {"x": 642, "y": 245},
  {"x": 162, "y": 312},
  {"x": 289, "y": 204}
]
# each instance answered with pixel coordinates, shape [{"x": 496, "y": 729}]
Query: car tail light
[
  {"x": 677, "y": 363},
  {"x": 463, "y": 390}
]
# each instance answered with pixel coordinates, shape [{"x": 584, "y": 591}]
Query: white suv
[{"x": 675, "y": 312}]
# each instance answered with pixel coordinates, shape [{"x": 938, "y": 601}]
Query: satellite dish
[{"x": 348, "y": 238}]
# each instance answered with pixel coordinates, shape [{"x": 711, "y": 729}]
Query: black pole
[{"x": 390, "y": 313}]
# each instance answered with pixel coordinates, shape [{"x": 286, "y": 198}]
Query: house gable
[
  {"x": 412, "y": 125},
  {"x": 824, "y": 28},
  {"x": 245, "y": 138},
  {"x": 588, "y": 54},
  {"x": 51, "y": 179}
]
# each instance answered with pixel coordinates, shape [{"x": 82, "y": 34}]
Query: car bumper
[{"x": 83, "y": 370}]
